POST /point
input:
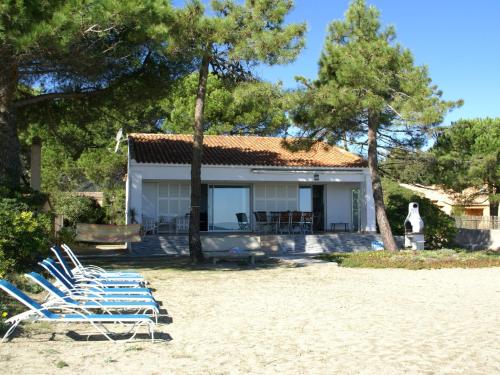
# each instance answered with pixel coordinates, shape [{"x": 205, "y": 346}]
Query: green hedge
[{"x": 439, "y": 228}]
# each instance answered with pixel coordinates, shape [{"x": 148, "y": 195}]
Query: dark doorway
[
  {"x": 318, "y": 207},
  {"x": 204, "y": 208}
]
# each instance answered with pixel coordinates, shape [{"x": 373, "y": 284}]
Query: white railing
[{"x": 477, "y": 222}]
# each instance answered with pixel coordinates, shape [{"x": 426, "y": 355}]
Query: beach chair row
[{"x": 87, "y": 294}]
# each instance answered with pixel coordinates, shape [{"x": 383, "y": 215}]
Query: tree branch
[{"x": 54, "y": 95}]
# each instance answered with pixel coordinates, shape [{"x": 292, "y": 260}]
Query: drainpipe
[{"x": 36, "y": 163}]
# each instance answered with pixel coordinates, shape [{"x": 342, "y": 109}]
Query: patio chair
[
  {"x": 84, "y": 272},
  {"x": 284, "y": 222},
  {"x": 296, "y": 221},
  {"x": 275, "y": 220},
  {"x": 59, "y": 297},
  {"x": 91, "y": 268},
  {"x": 94, "y": 286},
  {"x": 182, "y": 223},
  {"x": 243, "y": 222},
  {"x": 307, "y": 222},
  {"x": 166, "y": 224},
  {"x": 148, "y": 225},
  {"x": 262, "y": 224},
  {"x": 38, "y": 312}
]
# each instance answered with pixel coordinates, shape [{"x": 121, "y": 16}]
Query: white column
[{"x": 370, "y": 205}]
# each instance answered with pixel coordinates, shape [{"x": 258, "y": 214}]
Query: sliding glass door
[{"x": 228, "y": 208}]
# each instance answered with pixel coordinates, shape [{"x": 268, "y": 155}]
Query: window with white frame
[
  {"x": 173, "y": 199},
  {"x": 275, "y": 197}
]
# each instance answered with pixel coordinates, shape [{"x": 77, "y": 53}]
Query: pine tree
[
  {"x": 230, "y": 41},
  {"x": 368, "y": 90},
  {"x": 58, "y": 52}
]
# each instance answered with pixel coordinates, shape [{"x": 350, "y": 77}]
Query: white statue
[{"x": 413, "y": 222}]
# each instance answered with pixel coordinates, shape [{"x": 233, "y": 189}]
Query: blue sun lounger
[
  {"x": 79, "y": 267},
  {"x": 107, "y": 305},
  {"x": 94, "y": 280},
  {"x": 93, "y": 286},
  {"x": 38, "y": 312},
  {"x": 78, "y": 272}
]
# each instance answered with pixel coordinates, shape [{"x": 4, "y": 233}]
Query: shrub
[
  {"x": 66, "y": 235},
  {"x": 439, "y": 228},
  {"x": 24, "y": 235},
  {"x": 76, "y": 209}
]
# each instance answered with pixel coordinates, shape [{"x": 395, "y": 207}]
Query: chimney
[{"x": 36, "y": 163}]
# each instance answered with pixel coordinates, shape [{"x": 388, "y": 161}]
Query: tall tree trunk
[
  {"x": 194, "y": 222},
  {"x": 10, "y": 161},
  {"x": 494, "y": 207},
  {"x": 378, "y": 195}
]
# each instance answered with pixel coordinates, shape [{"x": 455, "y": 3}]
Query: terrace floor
[{"x": 272, "y": 244}]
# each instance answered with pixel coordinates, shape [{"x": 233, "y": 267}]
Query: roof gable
[{"x": 236, "y": 150}]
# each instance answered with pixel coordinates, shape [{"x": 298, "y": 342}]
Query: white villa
[{"x": 243, "y": 176}]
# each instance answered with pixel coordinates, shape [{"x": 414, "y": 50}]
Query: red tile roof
[{"x": 236, "y": 150}]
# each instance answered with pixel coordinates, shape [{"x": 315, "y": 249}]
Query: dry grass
[
  {"x": 280, "y": 319},
  {"x": 416, "y": 260}
]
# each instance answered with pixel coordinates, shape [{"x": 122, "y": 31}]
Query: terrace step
[{"x": 153, "y": 245}]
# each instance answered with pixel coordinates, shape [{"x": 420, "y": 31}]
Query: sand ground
[{"x": 315, "y": 319}]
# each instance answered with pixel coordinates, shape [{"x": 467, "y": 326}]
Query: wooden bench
[{"x": 224, "y": 247}]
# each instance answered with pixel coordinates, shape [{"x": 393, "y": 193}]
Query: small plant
[
  {"x": 61, "y": 364},
  {"x": 134, "y": 348},
  {"x": 4, "y": 315}
]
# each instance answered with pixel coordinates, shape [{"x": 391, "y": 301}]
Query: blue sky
[{"x": 458, "y": 40}]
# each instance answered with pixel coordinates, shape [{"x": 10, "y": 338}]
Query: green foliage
[
  {"x": 416, "y": 260},
  {"x": 67, "y": 235},
  {"x": 97, "y": 57},
  {"x": 243, "y": 108},
  {"x": 24, "y": 235},
  {"x": 105, "y": 168},
  {"x": 363, "y": 71},
  {"x": 439, "y": 228},
  {"x": 468, "y": 154},
  {"x": 236, "y": 34},
  {"x": 409, "y": 167},
  {"x": 4, "y": 315},
  {"x": 76, "y": 209}
]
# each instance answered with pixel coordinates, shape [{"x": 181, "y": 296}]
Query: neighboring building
[
  {"x": 244, "y": 174},
  {"x": 470, "y": 202}
]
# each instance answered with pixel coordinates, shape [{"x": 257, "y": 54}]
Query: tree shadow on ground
[{"x": 182, "y": 263}]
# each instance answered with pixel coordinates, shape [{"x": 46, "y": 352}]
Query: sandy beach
[{"x": 315, "y": 319}]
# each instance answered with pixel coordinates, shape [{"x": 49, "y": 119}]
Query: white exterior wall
[
  {"x": 338, "y": 184},
  {"x": 339, "y": 203}
]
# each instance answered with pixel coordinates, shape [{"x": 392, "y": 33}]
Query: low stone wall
[{"x": 478, "y": 239}]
